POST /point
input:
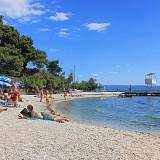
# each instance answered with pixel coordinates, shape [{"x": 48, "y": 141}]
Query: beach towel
[{"x": 45, "y": 119}]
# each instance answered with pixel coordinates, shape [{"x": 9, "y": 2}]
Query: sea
[
  {"x": 125, "y": 88},
  {"x": 141, "y": 114}
]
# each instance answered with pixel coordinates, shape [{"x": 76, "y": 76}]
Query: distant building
[{"x": 150, "y": 79}]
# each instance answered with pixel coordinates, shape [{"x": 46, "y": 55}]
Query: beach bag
[{"x": 25, "y": 112}]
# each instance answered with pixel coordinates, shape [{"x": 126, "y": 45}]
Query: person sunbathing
[
  {"x": 47, "y": 115},
  {"x": 50, "y": 114}
]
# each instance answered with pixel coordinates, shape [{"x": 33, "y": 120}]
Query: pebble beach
[{"x": 49, "y": 140}]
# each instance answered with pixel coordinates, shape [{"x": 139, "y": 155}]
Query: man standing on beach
[
  {"x": 65, "y": 95},
  {"x": 41, "y": 95}
]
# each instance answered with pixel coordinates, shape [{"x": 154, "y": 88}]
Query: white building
[{"x": 150, "y": 79}]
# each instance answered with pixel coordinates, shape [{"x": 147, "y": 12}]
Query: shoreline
[
  {"x": 47, "y": 140},
  {"x": 58, "y": 104}
]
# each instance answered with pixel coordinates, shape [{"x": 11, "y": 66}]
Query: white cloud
[
  {"x": 95, "y": 75},
  {"x": 113, "y": 72},
  {"x": 97, "y": 26},
  {"x": 37, "y": 5},
  {"x": 44, "y": 29},
  {"x": 63, "y": 34},
  {"x": 64, "y": 29},
  {"x": 20, "y": 8},
  {"x": 35, "y": 21},
  {"x": 59, "y": 16},
  {"x": 24, "y": 20},
  {"x": 29, "y": 19}
]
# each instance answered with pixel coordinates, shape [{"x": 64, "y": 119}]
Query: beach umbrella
[
  {"x": 20, "y": 84},
  {"x": 4, "y": 84},
  {"x": 4, "y": 80}
]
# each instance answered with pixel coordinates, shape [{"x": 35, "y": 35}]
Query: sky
[{"x": 114, "y": 41}]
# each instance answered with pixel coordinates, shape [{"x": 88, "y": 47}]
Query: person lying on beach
[
  {"x": 3, "y": 109},
  {"x": 48, "y": 115},
  {"x": 28, "y": 113}
]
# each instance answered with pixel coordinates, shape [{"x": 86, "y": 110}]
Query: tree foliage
[
  {"x": 19, "y": 58},
  {"x": 89, "y": 85},
  {"x": 53, "y": 68},
  {"x": 17, "y": 51},
  {"x": 69, "y": 81}
]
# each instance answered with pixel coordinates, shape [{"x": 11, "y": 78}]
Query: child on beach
[{"x": 47, "y": 96}]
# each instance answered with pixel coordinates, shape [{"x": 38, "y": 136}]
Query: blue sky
[{"x": 114, "y": 41}]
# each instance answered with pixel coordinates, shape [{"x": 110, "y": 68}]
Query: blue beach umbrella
[
  {"x": 4, "y": 84},
  {"x": 20, "y": 84},
  {"x": 4, "y": 80}
]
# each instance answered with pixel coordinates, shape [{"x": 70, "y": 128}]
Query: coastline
[
  {"x": 38, "y": 139},
  {"x": 58, "y": 106}
]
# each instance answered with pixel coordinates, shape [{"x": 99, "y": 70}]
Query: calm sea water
[
  {"x": 135, "y": 88},
  {"x": 136, "y": 113}
]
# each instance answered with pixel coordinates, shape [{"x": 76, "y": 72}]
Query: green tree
[
  {"x": 54, "y": 68},
  {"x": 19, "y": 58},
  {"x": 89, "y": 85},
  {"x": 34, "y": 82},
  {"x": 30, "y": 54},
  {"x": 92, "y": 84},
  {"x": 69, "y": 80},
  {"x": 10, "y": 62},
  {"x": 17, "y": 51},
  {"x": 1, "y": 20}
]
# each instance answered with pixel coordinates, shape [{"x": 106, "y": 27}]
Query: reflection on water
[{"x": 136, "y": 113}]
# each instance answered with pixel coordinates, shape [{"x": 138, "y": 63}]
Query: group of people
[
  {"x": 45, "y": 94},
  {"x": 12, "y": 95},
  {"x": 47, "y": 114}
]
